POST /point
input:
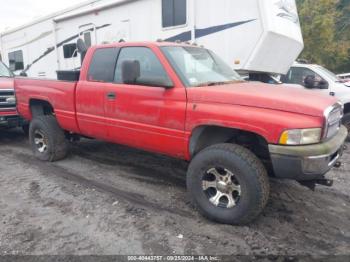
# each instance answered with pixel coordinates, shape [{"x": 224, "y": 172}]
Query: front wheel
[
  {"x": 47, "y": 139},
  {"x": 228, "y": 184},
  {"x": 346, "y": 123}
]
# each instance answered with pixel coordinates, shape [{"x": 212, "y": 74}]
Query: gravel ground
[{"x": 107, "y": 199}]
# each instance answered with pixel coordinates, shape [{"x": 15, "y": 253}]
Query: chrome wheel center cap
[{"x": 223, "y": 186}]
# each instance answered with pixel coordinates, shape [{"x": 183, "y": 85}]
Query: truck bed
[{"x": 60, "y": 94}]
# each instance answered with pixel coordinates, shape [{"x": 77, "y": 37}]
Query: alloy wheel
[{"x": 221, "y": 187}]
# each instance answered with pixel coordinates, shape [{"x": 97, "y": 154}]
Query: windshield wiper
[{"x": 208, "y": 84}]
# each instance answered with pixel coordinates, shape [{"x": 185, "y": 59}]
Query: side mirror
[
  {"x": 82, "y": 49},
  {"x": 323, "y": 84},
  {"x": 131, "y": 71},
  {"x": 310, "y": 82},
  {"x": 24, "y": 74}
]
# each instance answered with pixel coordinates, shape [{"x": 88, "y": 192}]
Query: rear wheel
[
  {"x": 47, "y": 139},
  {"x": 228, "y": 184},
  {"x": 346, "y": 123}
]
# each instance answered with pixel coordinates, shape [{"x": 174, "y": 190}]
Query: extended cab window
[
  {"x": 16, "y": 60},
  {"x": 174, "y": 12},
  {"x": 102, "y": 65},
  {"x": 150, "y": 67}
]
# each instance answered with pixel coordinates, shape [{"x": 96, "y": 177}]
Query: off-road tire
[
  {"x": 250, "y": 173},
  {"x": 346, "y": 123},
  {"x": 54, "y": 136}
]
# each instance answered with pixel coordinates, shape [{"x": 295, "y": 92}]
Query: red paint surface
[{"x": 162, "y": 120}]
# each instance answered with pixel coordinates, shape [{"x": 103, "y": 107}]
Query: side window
[
  {"x": 70, "y": 50},
  {"x": 297, "y": 75},
  {"x": 150, "y": 66},
  {"x": 174, "y": 13},
  {"x": 286, "y": 78},
  {"x": 16, "y": 60},
  {"x": 102, "y": 65}
]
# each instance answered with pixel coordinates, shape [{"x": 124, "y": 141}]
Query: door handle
[
  {"x": 111, "y": 96},
  {"x": 332, "y": 93}
]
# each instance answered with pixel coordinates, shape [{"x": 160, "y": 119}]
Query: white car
[
  {"x": 319, "y": 79},
  {"x": 345, "y": 77}
]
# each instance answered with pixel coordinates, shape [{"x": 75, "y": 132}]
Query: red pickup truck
[
  {"x": 184, "y": 101},
  {"x": 8, "y": 114}
]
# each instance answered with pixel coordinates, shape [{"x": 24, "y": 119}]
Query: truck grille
[
  {"x": 7, "y": 100},
  {"x": 333, "y": 116}
]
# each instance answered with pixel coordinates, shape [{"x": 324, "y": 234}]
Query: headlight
[
  {"x": 301, "y": 136},
  {"x": 333, "y": 116}
]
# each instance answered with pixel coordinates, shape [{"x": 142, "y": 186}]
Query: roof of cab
[
  {"x": 296, "y": 64},
  {"x": 158, "y": 43}
]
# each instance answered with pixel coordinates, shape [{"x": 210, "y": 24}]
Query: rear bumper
[
  {"x": 307, "y": 162},
  {"x": 11, "y": 121}
]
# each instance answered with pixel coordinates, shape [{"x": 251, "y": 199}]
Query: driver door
[{"x": 147, "y": 117}]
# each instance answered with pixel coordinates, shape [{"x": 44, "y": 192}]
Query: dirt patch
[{"x": 108, "y": 199}]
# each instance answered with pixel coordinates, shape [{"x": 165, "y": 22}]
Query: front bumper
[
  {"x": 307, "y": 162},
  {"x": 11, "y": 121}
]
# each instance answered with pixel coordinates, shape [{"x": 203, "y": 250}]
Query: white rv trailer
[{"x": 251, "y": 35}]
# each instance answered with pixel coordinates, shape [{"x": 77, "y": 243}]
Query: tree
[
  {"x": 320, "y": 21},
  {"x": 343, "y": 30}
]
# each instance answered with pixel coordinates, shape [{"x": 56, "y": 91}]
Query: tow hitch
[
  {"x": 324, "y": 182},
  {"x": 312, "y": 183}
]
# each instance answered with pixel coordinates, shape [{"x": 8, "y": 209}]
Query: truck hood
[
  {"x": 266, "y": 96},
  {"x": 6, "y": 83}
]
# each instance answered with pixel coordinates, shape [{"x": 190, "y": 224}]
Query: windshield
[
  {"x": 330, "y": 74},
  {"x": 4, "y": 71},
  {"x": 199, "y": 66}
]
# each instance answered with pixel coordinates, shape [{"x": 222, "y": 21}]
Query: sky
[{"x": 15, "y": 13}]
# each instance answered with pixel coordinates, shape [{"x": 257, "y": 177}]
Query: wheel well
[
  {"x": 40, "y": 107},
  {"x": 347, "y": 108},
  {"x": 206, "y": 136}
]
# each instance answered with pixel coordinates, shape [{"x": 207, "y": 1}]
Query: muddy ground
[{"x": 109, "y": 199}]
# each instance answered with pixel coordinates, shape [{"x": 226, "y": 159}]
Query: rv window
[
  {"x": 70, "y": 50},
  {"x": 16, "y": 60},
  {"x": 150, "y": 66},
  {"x": 102, "y": 65},
  {"x": 174, "y": 12}
]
